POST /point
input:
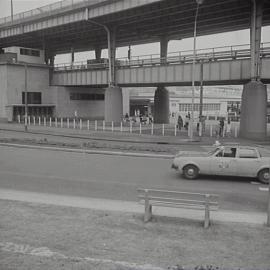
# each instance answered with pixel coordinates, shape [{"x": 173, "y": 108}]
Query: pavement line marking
[
  {"x": 263, "y": 188},
  {"x": 46, "y": 252},
  {"x": 254, "y": 183}
]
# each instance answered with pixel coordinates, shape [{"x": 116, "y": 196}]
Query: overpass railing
[
  {"x": 51, "y": 9},
  {"x": 209, "y": 54}
]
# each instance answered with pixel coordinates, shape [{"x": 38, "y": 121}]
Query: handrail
[
  {"x": 47, "y": 9},
  {"x": 207, "y": 54}
]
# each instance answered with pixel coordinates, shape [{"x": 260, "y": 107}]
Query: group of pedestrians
[{"x": 223, "y": 130}]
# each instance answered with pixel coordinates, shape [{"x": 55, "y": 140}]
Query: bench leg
[
  {"x": 207, "y": 217},
  {"x": 147, "y": 212}
]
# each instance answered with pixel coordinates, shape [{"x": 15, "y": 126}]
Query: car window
[
  {"x": 247, "y": 153},
  {"x": 229, "y": 152}
]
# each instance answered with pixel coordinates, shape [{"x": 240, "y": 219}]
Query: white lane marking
[
  {"x": 46, "y": 252},
  {"x": 263, "y": 188}
]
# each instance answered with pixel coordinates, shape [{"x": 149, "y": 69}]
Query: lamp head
[{"x": 199, "y": 2}]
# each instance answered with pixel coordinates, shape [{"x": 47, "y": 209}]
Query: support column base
[
  {"x": 113, "y": 104},
  {"x": 253, "y": 111},
  {"x": 161, "y": 106}
]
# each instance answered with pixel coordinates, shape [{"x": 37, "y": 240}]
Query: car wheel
[
  {"x": 190, "y": 171},
  {"x": 263, "y": 176}
]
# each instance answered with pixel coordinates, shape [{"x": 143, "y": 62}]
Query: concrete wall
[
  {"x": 37, "y": 81},
  {"x": 88, "y": 109}
]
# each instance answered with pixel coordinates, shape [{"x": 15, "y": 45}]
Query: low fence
[{"x": 212, "y": 130}]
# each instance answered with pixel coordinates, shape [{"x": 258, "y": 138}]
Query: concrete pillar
[
  {"x": 161, "y": 105},
  {"x": 113, "y": 104},
  {"x": 163, "y": 48},
  {"x": 253, "y": 111},
  {"x": 111, "y": 54},
  {"x": 255, "y": 38},
  {"x": 254, "y": 97},
  {"x": 126, "y": 101},
  {"x": 98, "y": 51}
]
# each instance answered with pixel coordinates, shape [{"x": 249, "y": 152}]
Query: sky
[{"x": 219, "y": 40}]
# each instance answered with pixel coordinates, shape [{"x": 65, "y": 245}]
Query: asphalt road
[{"x": 116, "y": 177}]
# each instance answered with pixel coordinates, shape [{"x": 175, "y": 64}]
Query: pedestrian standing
[{"x": 179, "y": 122}]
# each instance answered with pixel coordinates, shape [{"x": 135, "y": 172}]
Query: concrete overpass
[
  {"x": 215, "y": 66},
  {"x": 73, "y": 26}
]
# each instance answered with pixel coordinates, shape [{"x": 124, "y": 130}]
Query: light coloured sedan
[{"x": 224, "y": 160}]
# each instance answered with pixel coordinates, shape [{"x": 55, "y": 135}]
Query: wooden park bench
[{"x": 175, "y": 199}]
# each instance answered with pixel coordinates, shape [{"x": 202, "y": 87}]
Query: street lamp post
[
  {"x": 199, "y": 2},
  {"x": 25, "y": 98},
  {"x": 11, "y": 10}
]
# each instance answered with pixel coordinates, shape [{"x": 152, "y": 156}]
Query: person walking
[
  {"x": 221, "y": 126},
  {"x": 228, "y": 128},
  {"x": 179, "y": 122}
]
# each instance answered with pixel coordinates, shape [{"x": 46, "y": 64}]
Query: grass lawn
[{"x": 42, "y": 237}]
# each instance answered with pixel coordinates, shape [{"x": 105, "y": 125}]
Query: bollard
[
  {"x": 95, "y": 124},
  {"x": 55, "y": 121},
  {"x": 88, "y": 124},
  {"x": 211, "y": 130},
  {"x": 29, "y": 120},
  {"x": 50, "y": 121},
  {"x": 200, "y": 129},
  {"x": 152, "y": 129},
  {"x": 103, "y": 125},
  {"x": 61, "y": 122},
  {"x": 19, "y": 119},
  {"x": 45, "y": 121},
  {"x": 175, "y": 130},
  {"x": 80, "y": 123},
  {"x": 112, "y": 126},
  {"x": 223, "y": 132},
  {"x": 121, "y": 126},
  {"x": 163, "y": 129},
  {"x": 39, "y": 121},
  {"x": 130, "y": 127},
  {"x": 68, "y": 123},
  {"x": 74, "y": 123},
  {"x": 34, "y": 120},
  {"x": 140, "y": 128},
  {"x": 235, "y": 132}
]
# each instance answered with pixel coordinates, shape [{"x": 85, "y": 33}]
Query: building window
[
  {"x": 29, "y": 52},
  {"x": 32, "y": 98},
  {"x": 86, "y": 96},
  {"x": 206, "y": 107}
]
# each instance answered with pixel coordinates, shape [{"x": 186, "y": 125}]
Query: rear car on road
[{"x": 224, "y": 160}]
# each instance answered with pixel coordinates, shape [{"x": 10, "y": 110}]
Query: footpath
[{"x": 45, "y": 231}]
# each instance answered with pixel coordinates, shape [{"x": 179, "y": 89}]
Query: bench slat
[{"x": 165, "y": 199}]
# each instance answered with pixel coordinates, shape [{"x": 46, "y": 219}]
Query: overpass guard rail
[{"x": 184, "y": 57}]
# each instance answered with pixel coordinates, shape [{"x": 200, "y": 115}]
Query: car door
[
  {"x": 223, "y": 162},
  {"x": 248, "y": 162}
]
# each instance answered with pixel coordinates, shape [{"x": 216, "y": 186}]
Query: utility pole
[
  {"x": 11, "y": 10},
  {"x": 268, "y": 209},
  {"x": 25, "y": 98}
]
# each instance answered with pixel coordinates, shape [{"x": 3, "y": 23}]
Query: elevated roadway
[
  {"x": 69, "y": 24},
  {"x": 223, "y": 65}
]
